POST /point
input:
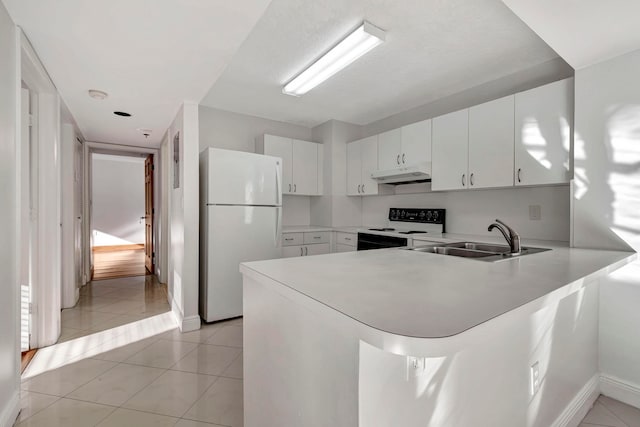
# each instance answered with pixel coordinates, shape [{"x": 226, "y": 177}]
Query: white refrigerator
[{"x": 240, "y": 220}]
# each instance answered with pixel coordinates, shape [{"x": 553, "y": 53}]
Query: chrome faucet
[{"x": 512, "y": 238}]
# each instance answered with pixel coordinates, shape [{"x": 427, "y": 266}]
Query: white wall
[
  {"x": 607, "y": 202},
  {"x": 118, "y": 200},
  {"x": 471, "y": 212},
  {"x": 233, "y": 131},
  {"x": 183, "y": 219},
  {"x": 9, "y": 225}
]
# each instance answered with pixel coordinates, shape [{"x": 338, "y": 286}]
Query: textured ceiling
[
  {"x": 433, "y": 48},
  {"x": 149, "y": 55},
  {"x": 584, "y": 32}
]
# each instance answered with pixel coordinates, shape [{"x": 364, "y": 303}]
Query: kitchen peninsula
[{"x": 395, "y": 337}]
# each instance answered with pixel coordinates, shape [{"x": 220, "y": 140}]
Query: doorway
[{"x": 122, "y": 215}]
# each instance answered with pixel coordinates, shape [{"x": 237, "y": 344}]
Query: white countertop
[
  {"x": 425, "y": 295},
  {"x": 305, "y": 228}
]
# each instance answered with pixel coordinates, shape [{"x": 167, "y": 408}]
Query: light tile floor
[
  {"x": 170, "y": 379},
  {"x": 611, "y": 413}
]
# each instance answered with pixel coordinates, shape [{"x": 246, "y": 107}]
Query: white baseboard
[
  {"x": 10, "y": 411},
  {"x": 186, "y": 324},
  {"x": 582, "y": 402},
  {"x": 618, "y": 389}
]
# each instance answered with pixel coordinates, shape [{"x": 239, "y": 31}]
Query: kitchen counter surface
[{"x": 423, "y": 295}]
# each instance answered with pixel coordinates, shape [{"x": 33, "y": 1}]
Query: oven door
[{"x": 368, "y": 241}]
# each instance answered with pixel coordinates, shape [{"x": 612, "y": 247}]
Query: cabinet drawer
[
  {"x": 317, "y": 237},
  {"x": 292, "y": 239},
  {"x": 348, "y": 239}
]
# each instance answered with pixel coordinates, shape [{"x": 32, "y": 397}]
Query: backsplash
[{"x": 470, "y": 212}]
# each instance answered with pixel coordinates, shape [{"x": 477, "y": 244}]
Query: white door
[
  {"x": 239, "y": 178},
  {"x": 278, "y": 146},
  {"x": 491, "y": 144},
  {"x": 416, "y": 143},
  {"x": 236, "y": 234},
  {"x": 450, "y": 151},
  {"x": 544, "y": 122},
  {"x": 78, "y": 179},
  {"x": 24, "y": 239},
  {"x": 369, "y": 158},
  {"x": 389, "y": 150},
  {"x": 354, "y": 169},
  {"x": 305, "y": 167}
]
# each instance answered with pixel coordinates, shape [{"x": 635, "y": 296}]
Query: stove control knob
[
  {"x": 422, "y": 214},
  {"x": 402, "y": 215},
  {"x": 435, "y": 215},
  {"x": 429, "y": 215}
]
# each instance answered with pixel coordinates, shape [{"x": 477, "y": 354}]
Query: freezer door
[
  {"x": 239, "y": 178},
  {"x": 235, "y": 234}
]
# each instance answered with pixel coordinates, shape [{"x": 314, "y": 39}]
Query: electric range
[{"x": 403, "y": 222}]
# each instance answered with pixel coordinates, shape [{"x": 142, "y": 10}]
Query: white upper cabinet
[
  {"x": 449, "y": 153},
  {"x": 389, "y": 149},
  {"x": 543, "y": 128},
  {"x": 362, "y": 160},
  {"x": 405, "y": 146},
  {"x": 491, "y": 144},
  {"x": 416, "y": 143},
  {"x": 301, "y": 163}
]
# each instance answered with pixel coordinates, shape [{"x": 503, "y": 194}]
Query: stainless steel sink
[{"x": 479, "y": 251}]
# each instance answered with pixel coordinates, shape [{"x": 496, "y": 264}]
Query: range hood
[{"x": 405, "y": 175}]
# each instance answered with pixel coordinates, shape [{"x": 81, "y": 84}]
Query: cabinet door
[
  {"x": 292, "y": 251},
  {"x": 449, "y": 151},
  {"x": 491, "y": 144},
  {"x": 305, "y": 168},
  {"x": 389, "y": 147},
  {"x": 278, "y": 146},
  {"x": 543, "y": 128},
  {"x": 323, "y": 248},
  {"x": 369, "y": 157},
  {"x": 344, "y": 248},
  {"x": 416, "y": 143},
  {"x": 354, "y": 169}
]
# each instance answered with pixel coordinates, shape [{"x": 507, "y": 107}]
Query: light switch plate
[
  {"x": 535, "y": 378},
  {"x": 535, "y": 212}
]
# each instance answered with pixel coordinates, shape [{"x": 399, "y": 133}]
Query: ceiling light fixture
[
  {"x": 97, "y": 94},
  {"x": 352, "y": 47},
  {"x": 121, "y": 114}
]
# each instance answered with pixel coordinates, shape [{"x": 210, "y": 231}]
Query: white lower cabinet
[
  {"x": 344, "y": 248},
  {"x": 305, "y": 244}
]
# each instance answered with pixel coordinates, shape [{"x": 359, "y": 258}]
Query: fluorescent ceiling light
[{"x": 356, "y": 44}]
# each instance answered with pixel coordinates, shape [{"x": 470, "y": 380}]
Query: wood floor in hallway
[{"x": 111, "y": 262}]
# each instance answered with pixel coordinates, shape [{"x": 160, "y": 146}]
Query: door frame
[
  {"x": 123, "y": 150},
  {"x": 45, "y": 252}
]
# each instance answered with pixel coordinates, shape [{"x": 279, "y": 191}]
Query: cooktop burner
[{"x": 382, "y": 229}]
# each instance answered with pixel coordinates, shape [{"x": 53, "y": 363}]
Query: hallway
[
  {"x": 118, "y": 261},
  {"x": 187, "y": 380}
]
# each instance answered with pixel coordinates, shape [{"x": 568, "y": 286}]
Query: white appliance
[{"x": 240, "y": 220}]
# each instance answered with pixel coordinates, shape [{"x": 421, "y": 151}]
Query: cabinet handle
[
  {"x": 398, "y": 159},
  {"x": 316, "y": 237},
  {"x": 306, "y": 251},
  {"x": 519, "y": 170},
  {"x": 358, "y": 188},
  {"x": 288, "y": 239},
  {"x": 347, "y": 238},
  {"x": 294, "y": 188},
  {"x": 301, "y": 251},
  {"x": 402, "y": 158},
  {"x": 363, "y": 188},
  {"x": 289, "y": 188},
  {"x": 463, "y": 181},
  {"x": 471, "y": 179}
]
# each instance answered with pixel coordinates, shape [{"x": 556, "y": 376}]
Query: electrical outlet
[
  {"x": 535, "y": 378},
  {"x": 535, "y": 213},
  {"x": 416, "y": 366}
]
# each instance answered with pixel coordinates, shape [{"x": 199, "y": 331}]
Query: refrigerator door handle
[
  {"x": 278, "y": 222},
  {"x": 278, "y": 185}
]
